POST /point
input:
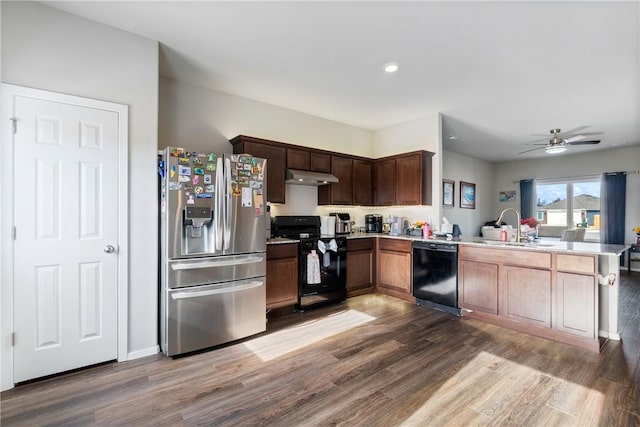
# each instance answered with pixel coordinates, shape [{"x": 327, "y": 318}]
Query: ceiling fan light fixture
[
  {"x": 390, "y": 67},
  {"x": 556, "y": 149}
]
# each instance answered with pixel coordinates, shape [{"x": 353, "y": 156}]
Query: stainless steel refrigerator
[{"x": 212, "y": 249}]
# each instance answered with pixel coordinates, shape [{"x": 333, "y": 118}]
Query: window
[{"x": 569, "y": 203}]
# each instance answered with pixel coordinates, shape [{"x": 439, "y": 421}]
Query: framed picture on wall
[
  {"x": 448, "y": 189},
  {"x": 467, "y": 195}
]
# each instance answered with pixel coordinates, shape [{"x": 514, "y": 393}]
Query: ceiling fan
[{"x": 559, "y": 144}]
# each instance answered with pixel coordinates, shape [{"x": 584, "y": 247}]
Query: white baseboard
[
  {"x": 611, "y": 335},
  {"x": 143, "y": 353}
]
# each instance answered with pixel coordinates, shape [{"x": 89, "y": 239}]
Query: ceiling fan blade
[
  {"x": 533, "y": 149},
  {"x": 574, "y": 130},
  {"x": 590, "y": 142},
  {"x": 538, "y": 140},
  {"x": 574, "y": 139}
]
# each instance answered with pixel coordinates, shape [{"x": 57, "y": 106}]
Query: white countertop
[{"x": 589, "y": 248}]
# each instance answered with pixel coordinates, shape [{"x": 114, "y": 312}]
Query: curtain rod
[{"x": 578, "y": 176}]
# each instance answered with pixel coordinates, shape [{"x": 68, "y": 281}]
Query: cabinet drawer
[
  {"x": 396, "y": 245},
  {"x": 284, "y": 250},
  {"x": 359, "y": 244},
  {"x": 576, "y": 263},
  {"x": 506, "y": 256}
]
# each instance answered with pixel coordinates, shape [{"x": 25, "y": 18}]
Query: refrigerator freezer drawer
[
  {"x": 204, "y": 271},
  {"x": 205, "y": 316}
]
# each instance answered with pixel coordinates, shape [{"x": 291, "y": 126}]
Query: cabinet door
[
  {"x": 282, "y": 275},
  {"x": 362, "y": 188},
  {"x": 576, "y": 304},
  {"x": 478, "y": 286},
  {"x": 359, "y": 270},
  {"x": 526, "y": 295},
  {"x": 320, "y": 162},
  {"x": 297, "y": 159},
  {"x": 342, "y": 192},
  {"x": 409, "y": 180},
  {"x": 394, "y": 264},
  {"x": 275, "y": 168},
  {"x": 385, "y": 182}
]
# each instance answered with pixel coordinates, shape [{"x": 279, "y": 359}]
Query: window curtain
[
  {"x": 526, "y": 198},
  {"x": 612, "y": 200}
]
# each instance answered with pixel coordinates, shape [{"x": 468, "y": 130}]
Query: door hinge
[
  {"x": 15, "y": 233},
  {"x": 14, "y": 125},
  {"x": 13, "y": 339}
]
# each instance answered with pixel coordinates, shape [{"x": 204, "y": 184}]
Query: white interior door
[{"x": 66, "y": 243}]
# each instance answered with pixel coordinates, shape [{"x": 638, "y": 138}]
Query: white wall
[
  {"x": 424, "y": 133},
  {"x": 200, "y": 118},
  {"x": 458, "y": 167},
  {"x": 48, "y": 49},
  {"x": 590, "y": 163}
]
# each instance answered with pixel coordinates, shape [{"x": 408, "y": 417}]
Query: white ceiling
[{"x": 499, "y": 72}]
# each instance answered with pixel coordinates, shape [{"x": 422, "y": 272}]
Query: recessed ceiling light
[{"x": 390, "y": 67}]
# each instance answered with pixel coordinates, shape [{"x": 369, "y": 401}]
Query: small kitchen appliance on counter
[
  {"x": 322, "y": 261},
  {"x": 343, "y": 223},
  {"x": 373, "y": 223},
  {"x": 398, "y": 224}
]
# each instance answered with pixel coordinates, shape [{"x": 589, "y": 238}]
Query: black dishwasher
[{"x": 435, "y": 275}]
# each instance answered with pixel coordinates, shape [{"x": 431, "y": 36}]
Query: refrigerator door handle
[
  {"x": 217, "y": 263},
  {"x": 228, "y": 201},
  {"x": 221, "y": 290},
  {"x": 218, "y": 203}
]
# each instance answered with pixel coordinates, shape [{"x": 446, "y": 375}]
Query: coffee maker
[{"x": 373, "y": 223}]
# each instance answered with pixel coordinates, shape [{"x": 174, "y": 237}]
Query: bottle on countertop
[
  {"x": 503, "y": 233},
  {"x": 426, "y": 230}
]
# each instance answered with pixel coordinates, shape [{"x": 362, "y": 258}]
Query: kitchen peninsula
[{"x": 563, "y": 291}]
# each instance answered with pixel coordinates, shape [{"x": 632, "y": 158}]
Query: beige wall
[{"x": 45, "y": 48}]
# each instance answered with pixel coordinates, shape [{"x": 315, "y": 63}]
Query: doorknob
[{"x": 109, "y": 249}]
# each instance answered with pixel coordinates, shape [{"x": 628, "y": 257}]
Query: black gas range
[{"x": 322, "y": 260}]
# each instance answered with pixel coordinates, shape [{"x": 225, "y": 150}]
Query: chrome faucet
[{"x": 517, "y": 226}]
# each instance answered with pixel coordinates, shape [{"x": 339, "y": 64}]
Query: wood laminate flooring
[{"x": 390, "y": 364}]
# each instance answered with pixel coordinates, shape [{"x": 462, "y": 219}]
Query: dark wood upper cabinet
[
  {"x": 385, "y": 182},
  {"x": 408, "y": 180},
  {"x": 320, "y": 162},
  {"x": 404, "y": 179},
  {"x": 298, "y": 159},
  {"x": 362, "y": 182},
  {"x": 340, "y": 193},
  {"x": 276, "y": 162}
]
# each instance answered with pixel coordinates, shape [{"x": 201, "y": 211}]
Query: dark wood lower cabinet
[
  {"x": 360, "y": 266},
  {"x": 282, "y": 275},
  {"x": 394, "y": 268}
]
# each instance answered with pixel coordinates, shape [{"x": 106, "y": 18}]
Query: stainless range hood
[{"x": 299, "y": 177}]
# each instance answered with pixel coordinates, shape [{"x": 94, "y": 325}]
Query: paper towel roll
[{"x": 331, "y": 226}]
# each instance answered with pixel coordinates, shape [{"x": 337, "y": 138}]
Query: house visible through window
[{"x": 569, "y": 203}]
